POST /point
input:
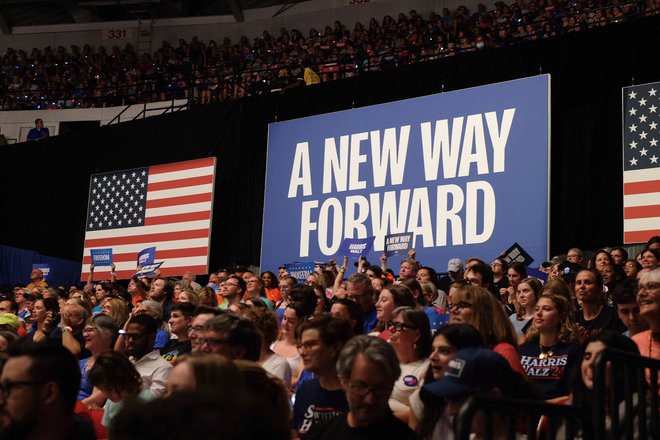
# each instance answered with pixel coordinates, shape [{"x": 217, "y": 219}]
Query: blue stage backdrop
[{"x": 466, "y": 172}]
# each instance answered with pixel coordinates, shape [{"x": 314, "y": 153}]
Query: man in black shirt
[{"x": 367, "y": 368}]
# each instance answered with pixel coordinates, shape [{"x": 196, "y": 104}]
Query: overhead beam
[{"x": 236, "y": 10}]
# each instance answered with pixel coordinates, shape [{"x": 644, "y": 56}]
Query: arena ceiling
[{"x": 47, "y": 12}]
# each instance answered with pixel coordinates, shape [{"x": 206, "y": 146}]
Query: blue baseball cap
[{"x": 472, "y": 370}]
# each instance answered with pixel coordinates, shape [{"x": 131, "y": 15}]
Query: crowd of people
[
  {"x": 204, "y": 72},
  {"x": 344, "y": 354}
]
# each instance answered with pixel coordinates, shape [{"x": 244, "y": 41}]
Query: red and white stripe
[
  {"x": 177, "y": 222},
  {"x": 641, "y": 205}
]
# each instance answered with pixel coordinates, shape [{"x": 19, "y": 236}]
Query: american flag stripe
[
  {"x": 641, "y": 162},
  {"x": 176, "y": 220}
]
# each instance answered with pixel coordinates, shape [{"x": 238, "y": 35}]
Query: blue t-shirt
[
  {"x": 162, "y": 338},
  {"x": 86, "y": 388},
  {"x": 370, "y": 321},
  {"x": 315, "y": 404}
]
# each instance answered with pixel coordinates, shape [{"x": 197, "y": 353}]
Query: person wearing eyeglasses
[
  {"x": 139, "y": 337},
  {"x": 410, "y": 336},
  {"x": 232, "y": 336},
  {"x": 480, "y": 308},
  {"x": 648, "y": 299},
  {"x": 232, "y": 291},
  {"x": 319, "y": 343},
  {"x": 367, "y": 368},
  {"x": 41, "y": 379}
]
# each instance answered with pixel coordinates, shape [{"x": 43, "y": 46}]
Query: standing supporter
[
  {"x": 360, "y": 290},
  {"x": 271, "y": 287},
  {"x": 208, "y": 297},
  {"x": 435, "y": 317},
  {"x": 594, "y": 314},
  {"x": 139, "y": 336},
  {"x": 162, "y": 291},
  {"x": 528, "y": 293},
  {"x": 232, "y": 291},
  {"x": 551, "y": 353},
  {"x": 181, "y": 317},
  {"x": 196, "y": 332},
  {"x": 479, "y": 308},
  {"x": 625, "y": 299},
  {"x": 648, "y": 299},
  {"x": 119, "y": 380},
  {"x": 390, "y": 298},
  {"x": 619, "y": 256},
  {"x": 116, "y": 309},
  {"x": 631, "y": 268},
  {"x": 100, "y": 333},
  {"x": 255, "y": 290},
  {"x": 575, "y": 255},
  {"x": 188, "y": 295},
  {"x": 515, "y": 274},
  {"x": 408, "y": 269},
  {"x": 101, "y": 292},
  {"x": 427, "y": 415},
  {"x": 231, "y": 336},
  {"x": 266, "y": 323},
  {"x": 367, "y": 369},
  {"x": 137, "y": 290},
  {"x": 38, "y": 393},
  {"x": 427, "y": 274},
  {"x": 600, "y": 259},
  {"x": 37, "y": 279},
  {"x": 319, "y": 342},
  {"x": 411, "y": 340}
]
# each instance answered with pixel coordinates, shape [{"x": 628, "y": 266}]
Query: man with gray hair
[
  {"x": 367, "y": 369},
  {"x": 231, "y": 336}
]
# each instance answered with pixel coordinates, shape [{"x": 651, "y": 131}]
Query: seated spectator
[
  {"x": 648, "y": 299},
  {"x": 594, "y": 314},
  {"x": 351, "y": 312},
  {"x": 201, "y": 315},
  {"x": 272, "y": 362},
  {"x": 118, "y": 379},
  {"x": 100, "y": 333},
  {"x": 181, "y": 316},
  {"x": 319, "y": 342},
  {"x": 367, "y": 368},
  {"x": 32, "y": 371},
  {"x": 231, "y": 336},
  {"x": 206, "y": 372},
  {"x": 138, "y": 337},
  {"x": 625, "y": 299}
]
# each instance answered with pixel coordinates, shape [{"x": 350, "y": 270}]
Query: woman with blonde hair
[
  {"x": 480, "y": 308},
  {"x": 188, "y": 295},
  {"x": 551, "y": 353},
  {"x": 208, "y": 297},
  {"x": 117, "y": 309}
]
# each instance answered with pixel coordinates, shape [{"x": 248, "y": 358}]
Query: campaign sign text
[
  {"x": 355, "y": 247},
  {"x": 300, "y": 271},
  {"x": 517, "y": 254},
  {"x": 465, "y": 172},
  {"x": 146, "y": 256},
  {"x": 101, "y": 257},
  {"x": 398, "y": 244},
  {"x": 149, "y": 269}
]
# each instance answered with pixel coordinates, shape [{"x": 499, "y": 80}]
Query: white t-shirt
[
  {"x": 278, "y": 366},
  {"x": 412, "y": 376}
]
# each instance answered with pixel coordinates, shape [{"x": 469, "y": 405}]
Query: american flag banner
[
  {"x": 641, "y": 162},
  {"x": 167, "y": 206}
]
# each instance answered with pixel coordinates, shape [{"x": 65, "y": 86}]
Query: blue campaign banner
[
  {"x": 44, "y": 267},
  {"x": 398, "y": 244},
  {"x": 101, "y": 257},
  {"x": 148, "y": 269},
  {"x": 466, "y": 172},
  {"x": 300, "y": 271},
  {"x": 146, "y": 256},
  {"x": 355, "y": 247}
]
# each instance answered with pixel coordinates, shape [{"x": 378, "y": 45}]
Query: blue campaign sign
[
  {"x": 466, "y": 172},
  {"x": 300, "y": 271},
  {"x": 101, "y": 257},
  {"x": 398, "y": 244},
  {"x": 355, "y": 247},
  {"x": 146, "y": 256},
  {"x": 44, "y": 267}
]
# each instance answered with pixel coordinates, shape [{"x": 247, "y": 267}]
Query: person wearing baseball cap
[{"x": 454, "y": 273}]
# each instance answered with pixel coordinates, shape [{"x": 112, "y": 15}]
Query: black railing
[
  {"x": 499, "y": 417},
  {"x": 626, "y": 389}
]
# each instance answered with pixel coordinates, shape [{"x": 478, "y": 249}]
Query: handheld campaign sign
[
  {"x": 44, "y": 267},
  {"x": 517, "y": 254},
  {"x": 398, "y": 244},
  {"x": 453, "y": 169},
  {"x": 101, "y": 257},
  {"x": 300, "y": 271},
  {"x": 355, "y": 247},
  {"x": 148, "y": 269},
  {"x": 146, "y": 256}
]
